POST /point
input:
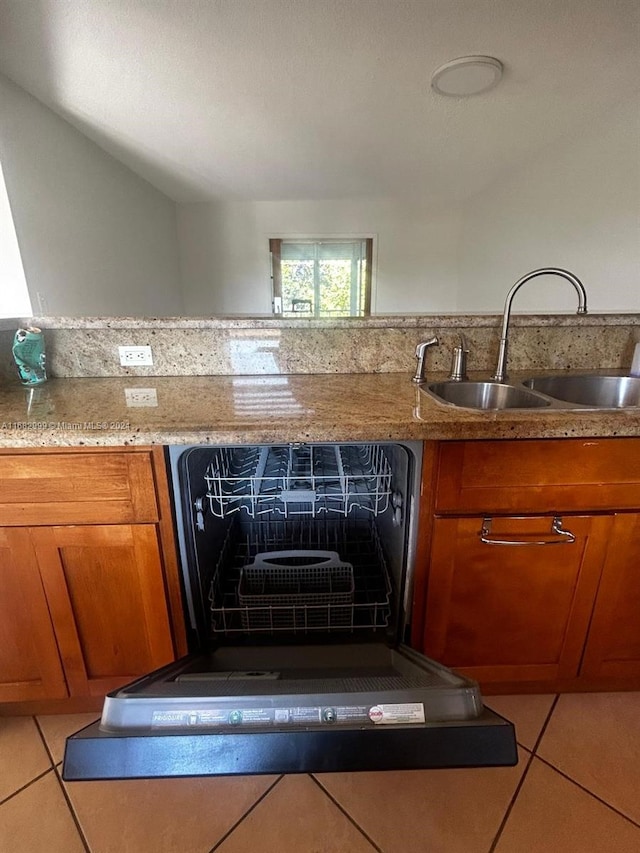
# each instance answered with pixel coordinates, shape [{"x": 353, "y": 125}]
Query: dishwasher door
[{"x": 292, "y": 709}]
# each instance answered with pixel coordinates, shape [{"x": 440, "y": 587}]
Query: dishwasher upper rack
[{"x": 298, "y": 480}]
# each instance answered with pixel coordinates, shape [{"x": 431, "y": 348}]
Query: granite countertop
[{"x": 259, "y": 409}]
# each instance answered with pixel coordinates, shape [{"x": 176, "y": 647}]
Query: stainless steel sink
[
  {"x": 485, "y": 395},
  {"x": 602, "y": 392}
]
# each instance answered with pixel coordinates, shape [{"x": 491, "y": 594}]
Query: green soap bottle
[{"x": 29, "y": 355}]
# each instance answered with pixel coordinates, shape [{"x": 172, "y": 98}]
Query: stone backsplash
[{"x": 78, "y": 347}]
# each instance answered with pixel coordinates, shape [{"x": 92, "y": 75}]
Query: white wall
[
  {"x": 95, "y": 238},
  {"x": 576, "y": 206},
  {"x": 225, "y": 251}
]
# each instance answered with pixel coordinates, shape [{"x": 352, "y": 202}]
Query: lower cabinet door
[
  {"x": 30, "y": 666},
  {"x": 509, "y": 599},
  {"x": 613, "y": 645},
  {"x": 105, "y": 588}
]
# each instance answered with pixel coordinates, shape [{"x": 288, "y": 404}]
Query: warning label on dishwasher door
[
  {"x": 302, "y": 716},
  {"x": 215, "y": 718},
  {"x": 407, "y": 712},
  {"x": 182, "y": 719},
  {"x": 237, "y": 717}
]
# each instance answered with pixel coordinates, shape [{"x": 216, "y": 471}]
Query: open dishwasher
[{"x": 297, "y": 562}]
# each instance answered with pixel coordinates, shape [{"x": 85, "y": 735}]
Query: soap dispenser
[{"x": 29, "y": 355}]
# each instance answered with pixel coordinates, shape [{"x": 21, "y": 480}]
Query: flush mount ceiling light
[{"x": 468, "y": 75}]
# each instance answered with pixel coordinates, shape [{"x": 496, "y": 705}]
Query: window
[
  {"x": 14, "y": 296},
  {"x": 321, "y": 278}
]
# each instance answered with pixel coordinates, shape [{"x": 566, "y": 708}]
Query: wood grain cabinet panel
[
  {"x": 77, "y": 487},
  {"x": 538, "y": 476},
  {"x": 506, "y": 613},
  {"x": 554, "y": 617},
  {"x": 613, "y": 644},
  {"x": 30, "y": 666},
  {"x": 105, "y": 589},
  {"x": 89, "y": 581}
]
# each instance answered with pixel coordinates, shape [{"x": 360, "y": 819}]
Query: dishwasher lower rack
[
  {"x": 298, "y": 480},
  {"x": 295, "y": 588},
  {"x": 355, "y": 596}
]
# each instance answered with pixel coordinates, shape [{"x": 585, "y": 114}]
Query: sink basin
[
  {"x": 606, "y": 392},
  {"x": 485, "y": 395}
]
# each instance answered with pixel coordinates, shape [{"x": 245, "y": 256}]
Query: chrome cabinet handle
[{"x": 562, "y": 536}]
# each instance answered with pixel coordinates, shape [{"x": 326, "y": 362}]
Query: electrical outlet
[
  {"x": 135, "y": 356},
  {"x": 141, "y": 396}
]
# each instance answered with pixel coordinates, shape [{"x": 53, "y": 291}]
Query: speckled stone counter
[{"x": 256, "y": 409}]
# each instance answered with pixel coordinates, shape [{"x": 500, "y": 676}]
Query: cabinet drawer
[
  {"x": 538, "y": 475},
  {"x": 84, "y": 487}
]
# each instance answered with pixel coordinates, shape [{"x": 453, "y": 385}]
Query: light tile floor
[{"x": 576, "y": 789}]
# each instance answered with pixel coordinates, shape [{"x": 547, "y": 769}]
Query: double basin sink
[{"x": 585, "y": 391}]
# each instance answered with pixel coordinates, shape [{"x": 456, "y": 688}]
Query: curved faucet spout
[{"x": 501, "y": 367}]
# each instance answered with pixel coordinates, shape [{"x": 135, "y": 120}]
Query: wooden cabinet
[
  {"x": 78, "y": 487},
  {"x": 613, "y": 643},
  {"x": 508, "y": 610},
  {"x": 105, "y": 589},
  {"x": 512, "y": 612},
  {"x": 30, "y": 666},
  {"x": 89, "y": 588},
  {"x": 560, "y": 474}
]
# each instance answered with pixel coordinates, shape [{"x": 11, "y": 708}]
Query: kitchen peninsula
[
  {"x": 84, "y": 478},
  {"x": 241, "y": 379}
]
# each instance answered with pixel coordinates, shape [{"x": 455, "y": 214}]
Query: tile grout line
[
  {"x": 512, "y": 803},
  {"x": 246, "y": 814},
  {"x": 27, "y": 785},
  {"x": 571, "y": 779},
  {"x": 44, "y": 741},
  {"x": 35, "y": 778},
  {"x": 520, "y": 784},
  {"x": 587, "y": 791},
  {"x": 545, "y": 724},
  {"x": 346, "y": 814},
  {"x": 67, "y": 799}
]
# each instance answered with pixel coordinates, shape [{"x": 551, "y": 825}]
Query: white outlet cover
[
  {"x": 141, "y": 397},
  {"x": 134, "y": 356}
]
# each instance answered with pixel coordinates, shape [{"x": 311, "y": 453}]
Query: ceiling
[{"x": 317, "y": 99}]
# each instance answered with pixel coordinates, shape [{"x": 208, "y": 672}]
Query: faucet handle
[
  {"x": 459, "y": 361},
  {"x": 421, "y": 354}
]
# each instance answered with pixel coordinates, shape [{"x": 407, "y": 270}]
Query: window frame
[{"x": 275, "y": 253}]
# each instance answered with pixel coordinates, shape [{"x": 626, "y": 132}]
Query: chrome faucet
[{"x": 501, "y": 368}]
